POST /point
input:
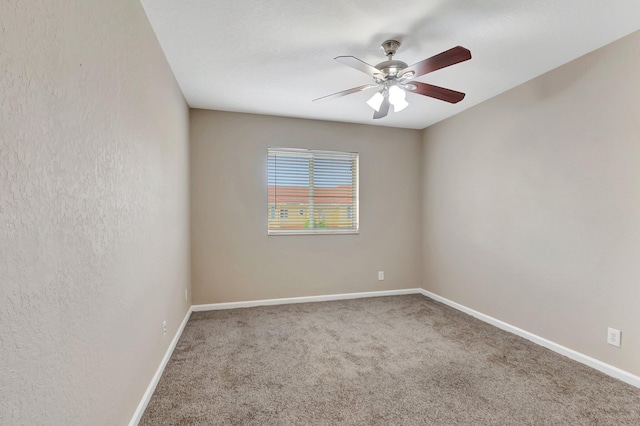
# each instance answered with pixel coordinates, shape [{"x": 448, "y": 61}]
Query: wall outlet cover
[{"x": 613, "y": 337}]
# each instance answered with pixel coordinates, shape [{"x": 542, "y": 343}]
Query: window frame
[{"x": 355, "y": 211}]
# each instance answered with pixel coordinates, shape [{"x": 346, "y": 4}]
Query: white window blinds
[{"x": 312, "y": 192}]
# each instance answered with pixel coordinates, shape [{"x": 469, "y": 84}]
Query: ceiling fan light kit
[
  {"x": 394, "y": 78},
  {"x": 396, "y": 98}
]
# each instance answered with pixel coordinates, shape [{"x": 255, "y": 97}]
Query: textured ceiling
[{"x": 274, "y": 56}]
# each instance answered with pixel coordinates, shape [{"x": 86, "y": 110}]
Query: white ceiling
[{"x": 275, "y": 56}]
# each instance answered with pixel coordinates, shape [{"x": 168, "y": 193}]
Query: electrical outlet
[
  {"x": 613, "y": 337},
  {"x": 164, "y": 327},
  {"x": 380, "y": 275}
]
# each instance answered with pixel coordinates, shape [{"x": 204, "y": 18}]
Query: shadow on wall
[{"x": 548, "y": 88}]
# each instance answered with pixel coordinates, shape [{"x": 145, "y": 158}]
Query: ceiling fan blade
[
  {"x": 353, "y": 62},
  {"x": 384, "y": 109},
  {"x": 437, "y": 92},
  {"x": 346, "y": 92},
  {"x": 441, "y": 60}
]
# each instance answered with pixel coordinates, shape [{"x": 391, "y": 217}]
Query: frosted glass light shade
[
  {"x": 397, "y": 98},
  {"x": 375, "y": 101},
  {"x": 400, "y": 105}
]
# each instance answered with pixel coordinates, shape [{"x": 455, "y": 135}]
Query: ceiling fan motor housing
[{"x": 391, "y": 68}]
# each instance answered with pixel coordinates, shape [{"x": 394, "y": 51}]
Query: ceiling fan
[{"x": 394, "y": 78}]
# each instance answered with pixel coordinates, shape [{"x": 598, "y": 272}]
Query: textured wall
[
  {"x": 94, "y": 241},
  {"x": 532, "y": 206},
  {"x": 232, "y": 256}
]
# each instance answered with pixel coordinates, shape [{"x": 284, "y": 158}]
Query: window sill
[{"x": 275, "y": 232}]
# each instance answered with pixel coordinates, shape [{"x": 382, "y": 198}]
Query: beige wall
[
  {"x": 532, "y": 205},
  {"x": 233, "y": 258},
  {"x": 94, "y": 240}
]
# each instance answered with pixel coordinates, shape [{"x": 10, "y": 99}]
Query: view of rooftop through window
[{"x": 313, "y": 191}]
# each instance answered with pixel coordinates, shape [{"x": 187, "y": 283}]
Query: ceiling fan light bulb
[{"x": 375, "y": 101}]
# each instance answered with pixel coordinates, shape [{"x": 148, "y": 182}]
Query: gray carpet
[{"x": 402, "y": 360}]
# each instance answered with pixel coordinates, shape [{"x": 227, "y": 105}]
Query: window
[{"x": 322, "y": 186}]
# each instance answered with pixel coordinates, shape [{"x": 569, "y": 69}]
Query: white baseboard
[
  {"x": 605, "y": 368},
  {"x": 305, "y": 299},
  {"x": 137, "y": 415}
]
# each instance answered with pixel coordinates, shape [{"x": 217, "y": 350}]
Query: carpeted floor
[{"x": 401, "y": 360}]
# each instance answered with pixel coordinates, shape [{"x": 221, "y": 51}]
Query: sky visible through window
[{"x": 329, "y": 172}]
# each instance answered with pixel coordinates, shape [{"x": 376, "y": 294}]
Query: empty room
[{"x": 319, "y": 213}]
